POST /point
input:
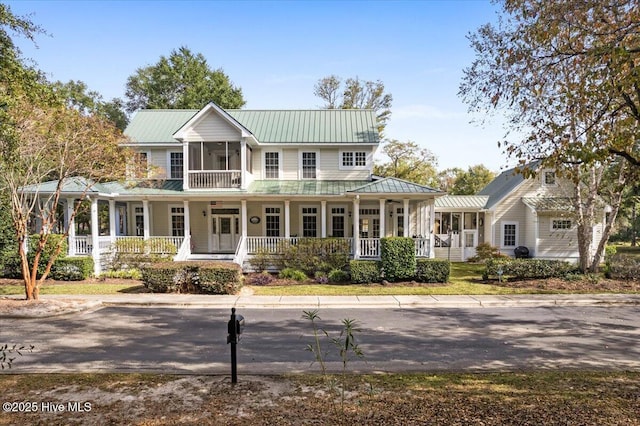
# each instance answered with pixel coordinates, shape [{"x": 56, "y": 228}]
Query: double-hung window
[
  {"x": 509, "y": 234},
  {"x": 176, "y": 163},
  {"x": 309, "y": 163},
  {"x": 272, "y": 165}
]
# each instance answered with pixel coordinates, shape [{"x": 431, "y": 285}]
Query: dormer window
[{"x": 549, "y": 178}]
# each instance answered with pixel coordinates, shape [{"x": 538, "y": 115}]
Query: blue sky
[{"x": 276, "y": 52}]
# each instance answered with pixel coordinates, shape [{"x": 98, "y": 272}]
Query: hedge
[
  {"x": 432, "y": 270},
  {"x": 12, "y": 267},
  {"x": 623, "y": 267},
  {"x": 72, "y": 268},
  {"x": 529, "y": 268},
  {"x": 365, "y": 271},
  {"x": 309, "y": 255},
  {"x": 192, "y": 277},
  {"x": 398, "y": 258}
]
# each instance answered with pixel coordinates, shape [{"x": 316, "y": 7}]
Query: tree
[
  {"x": 409, "y": 162},
  {"x": 447, "y": 178},
  {"x": 182, "y": 80},
  {"x": 77, "y": 95},
  {"x": 357, "y": 94},
  {"x": 565, "y": 74},
  {"x": 41, "y": 139},
  {"x": 472, "y": 180}
]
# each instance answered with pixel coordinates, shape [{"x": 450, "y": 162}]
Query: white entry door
[
  {"x": 226, "y": 234},
  {"x": 469, "y": 241}
]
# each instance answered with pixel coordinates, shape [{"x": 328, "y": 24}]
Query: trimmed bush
[
  {"x": 529, "y": 268},
  {"x": 192, "y": 277},
  {"x": 72, "y": 268},
  {"x": 12, "y": 266},
  {"x": 486, "y": 251},
  {"x": 133, "y": 274},
  {"x": 398, "y": 258},
  {"x": 133, "y": 253},
  {"x": 338, "y": 276},
  {"x": 365, "y": 271},
  {"x": 293, "y": 274},
  {"x": 261, "y": 259},
  {"x": 624, "y": 267},
  {"x": 311, "y": 255},
  {"x": 432, "y": 270}
]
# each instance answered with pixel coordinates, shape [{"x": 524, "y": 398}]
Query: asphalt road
[{"x": 193, "y": 340}]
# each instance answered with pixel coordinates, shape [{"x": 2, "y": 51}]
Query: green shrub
[
  {"x": 133, "y": 253},
  {"x": 365, "y": 271},
  {"x": 293, "y": 274},
  {"x": 338, "y": 276},
  {"x": 398, "y": 258},
  {"x": 486, "y": 251},
  {"x": 529, "y": 268},
  {"x": 624, "y": 267},
  {"x": 192, "y": 277},
  {"x": 72, "y": 268},
  {"x": 11, "y": 258},
  {"x": 133, "y": 274},
  {"x": 432, "y": 270},
  {"x": 261, "y": 259},
  {"x": 311, "y": 255}
]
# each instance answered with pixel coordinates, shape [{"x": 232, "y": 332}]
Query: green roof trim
[
  {"x": 462, "y": 201},
  {"x": 303, "y": 187},
  {"x": 353, "y": 126},
  {"x": 392, "y": 185}
]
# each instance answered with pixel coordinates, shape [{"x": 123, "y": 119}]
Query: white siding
[
  {"x": 158, "y": 163},
  {"x": 330, "y": 165},
  {"x": 556, "y": 244},
  {"x": 289, "y": 164},
  {"x": 199, "y": 226},
  {"x": 212, "y": 127}
]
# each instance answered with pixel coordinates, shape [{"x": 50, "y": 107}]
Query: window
[
  {"x": 308, "y": 165},
  {"x": 309, "y": 222},
  {"x": 272, "y": 165},
  {"x": 509, "y": 234},
  {"x": 337, "y": 222},
  {"x": 559, "y": 224},
  {"x": 139, "y": 220},
  {"x": 175, "y": 165},
  {"x": 353, "y": 159},
  {"x": 272, "y": 221},
  {"x": 549, "y": 178},
  {"x": 177, "y": 221}
]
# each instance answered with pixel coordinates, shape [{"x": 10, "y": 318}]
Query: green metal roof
[
  {"x": 462, "y": 201},
  {"x": 268, "y": 126},
  {"x": 550, "y": 204},
  {"x": 303, "y": 187},
  {"x": 392, "y": 185},
  {"x": 310, "y": 126},
  {"x": 157, "y": 125},
  {"x": 73, "y": 185}
]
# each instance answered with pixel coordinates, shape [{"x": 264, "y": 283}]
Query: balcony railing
[{"x": 210, "y": 179}]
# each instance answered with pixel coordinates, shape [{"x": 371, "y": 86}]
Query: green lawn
[{"x": 78, "y": 288}]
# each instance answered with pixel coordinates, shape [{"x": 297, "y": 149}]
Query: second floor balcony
[{"x": 216, "y": 165}]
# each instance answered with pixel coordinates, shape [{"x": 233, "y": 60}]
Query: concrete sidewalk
[{"x": 353, "y": 302}]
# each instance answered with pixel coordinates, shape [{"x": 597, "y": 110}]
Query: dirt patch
[{"x": 14, "y": 307}]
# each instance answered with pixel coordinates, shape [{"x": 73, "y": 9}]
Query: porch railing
[
  {"x": 444, "y": 240},
  {"x": 370, "y": 247},
  {"x": 207, "y": 179},
  {"x": 273, "y": 244},
  {"x": 128, "y": 244}
]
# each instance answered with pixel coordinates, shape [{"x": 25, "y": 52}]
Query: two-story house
[{"x": 223, "y": 184}]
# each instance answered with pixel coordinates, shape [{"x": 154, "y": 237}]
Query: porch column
[
  {"x": 287, "y": 219},
  {"x": 356, "y": 228},
  {"x": 185, "y": 165},
  {"x": 243, "y": 163},
  {"x": 243, "y": 211},
  {"x": 432, "y": 225},
  {"x": 112, "y": 220},
  {"x": 71, "y": 227},
  {"x": 95, "y": 237},
  {"x": 187, "y": 225},
  {"x": 145, "y": 218},
  {"x": 405, "y": 223},
  {"x": 383, "y": 215},
  {"x": 323, "y": 218}
]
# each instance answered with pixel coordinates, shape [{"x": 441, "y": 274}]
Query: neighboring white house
[
  {"x": 512, "y": 212},
  {"x": 223, "y": 184}
]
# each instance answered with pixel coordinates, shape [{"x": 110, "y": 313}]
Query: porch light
[
  {"x": 349, "y": 213},
  {"x": 391, "y": 213},
  {"x": 204, "y": 213}
]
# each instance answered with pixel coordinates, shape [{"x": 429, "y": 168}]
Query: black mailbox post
[{"x": 235, "y": 327}]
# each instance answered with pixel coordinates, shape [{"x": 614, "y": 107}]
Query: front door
[
  {"x": 223, "y": 233},
  {"x": 470, "y": 241}
]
